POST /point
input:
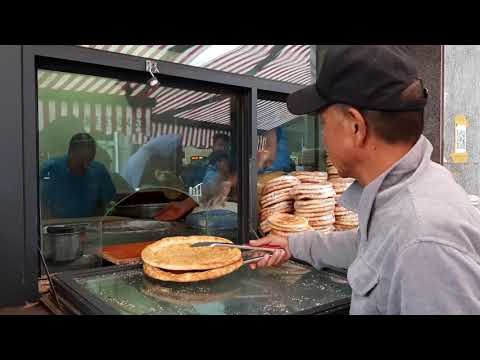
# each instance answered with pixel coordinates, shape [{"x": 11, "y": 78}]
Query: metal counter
[{"x": 293, "y": 288}]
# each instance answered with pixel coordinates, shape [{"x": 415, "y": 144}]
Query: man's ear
[{"x": 358, "y": 126}]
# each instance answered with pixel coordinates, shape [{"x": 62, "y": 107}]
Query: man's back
[{"x": 421, "y": 251}]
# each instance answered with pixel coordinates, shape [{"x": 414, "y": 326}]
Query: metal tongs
[{"x": 241, "y": 247}]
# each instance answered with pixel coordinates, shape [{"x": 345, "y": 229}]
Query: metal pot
[
  {"x": 62, "y": 243},
  {"x": 139, "y": 211}
]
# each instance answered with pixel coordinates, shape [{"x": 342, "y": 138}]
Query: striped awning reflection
[{"x": 289, "y": 63}]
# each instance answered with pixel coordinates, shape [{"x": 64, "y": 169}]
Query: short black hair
[
  {"x": 221, "y": 136},
  {"x": 81, "y": 140},
  {"x": 398, "y": 126}
]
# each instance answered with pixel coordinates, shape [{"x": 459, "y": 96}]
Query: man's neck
[{"x": 381, "y": 158}]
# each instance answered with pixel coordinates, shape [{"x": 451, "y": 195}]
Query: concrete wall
[
  {"x": 428, "y": 59},
  {"x": 461, "y": 96}
]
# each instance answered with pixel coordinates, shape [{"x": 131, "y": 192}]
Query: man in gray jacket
[{"x": 417, "y": 248}]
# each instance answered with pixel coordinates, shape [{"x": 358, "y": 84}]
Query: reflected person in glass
[
  {"x": 165, "y": 150},
  {"x": 275, "y": 156},
  {"x": 75, "y": 186},
  {"x": 218, "y": 184},
  {"x": 122, "y": 187},
  {"x": 219, "y": 179},
  {"x": 196, "y": 172}
]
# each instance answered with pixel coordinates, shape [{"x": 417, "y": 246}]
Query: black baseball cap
[{"x": 370, "y": 77}]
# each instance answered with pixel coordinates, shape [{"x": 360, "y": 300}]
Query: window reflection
[
  {"x": 77, "y": 177},
  {"x": 287, "y": 144},
  {"x": 129, "y": 154}
]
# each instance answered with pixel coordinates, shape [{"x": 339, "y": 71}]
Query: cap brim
[{"x": 306, "y": 101}]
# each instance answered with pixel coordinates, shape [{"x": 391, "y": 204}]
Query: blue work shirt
[
  {"x": 67, "y": 195},
  {"x": 282, "y": 160},
  {"x": 210, "y": 180}
]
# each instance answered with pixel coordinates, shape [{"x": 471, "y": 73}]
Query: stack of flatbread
[
  {"x": 316, "y": 203},
  {"x": 310, "y": 177},
  {"x": 344, "y": 219},
  {"x": 285, "y": 224},
  {"x": 276, "y": 199},
  {"x": 173, "y": 259},
  {"x": 331, "y": 170}
]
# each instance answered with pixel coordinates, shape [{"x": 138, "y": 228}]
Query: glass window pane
[
  {"x": 147, "y": 161},
  {"x": 289, "y": 144},
  {"x": 460, "y": 128}
]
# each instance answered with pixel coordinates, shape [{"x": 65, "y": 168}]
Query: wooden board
[{"x": 124, "y": 253}]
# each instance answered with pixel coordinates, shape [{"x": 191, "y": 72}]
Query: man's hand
[
  {"x": 175, "y": 210},
  {"x": 278, "y": 257}
]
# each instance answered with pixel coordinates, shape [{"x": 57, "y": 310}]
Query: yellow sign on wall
[{"x": 460, "y": 155}]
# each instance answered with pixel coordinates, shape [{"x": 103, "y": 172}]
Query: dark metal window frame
[{"x": 26, "y": 235}]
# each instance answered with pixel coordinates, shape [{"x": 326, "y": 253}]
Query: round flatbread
[
  {"x": 321, "y": 224},
  {"x": 350, "y": 217},
  {"x": 311, "y": 196},
  {"x": 333, "y": 176},
  {"x": 311, "y": 176},
  {"x": 275, "y": 195},
  {"x": 275, "y": 187},
  {"x": 341, "y": 213},
  {"x": 264, "y": 217},
  {"x": 312, "y": 191},
  {"x": 315, "y": 209},
  {"x": 328, "y": 218},
  {"x": 175, "y": 253},
  {"x": 279, "y": 183},
  {"x": 345, "y": 228},
  {"x": 309, "y": 216},
  {"x": 347, "y": 225},
  {"x": 315, "y": 203},
  {"x": 312, "y": 180},
  {"x": 327, "y": 187},
  {"x": 323, "y": 227},
  {"x": 350, "y": 225},
  {"x": 278, "y": 206},
  {"x": 287, "y": 222},
  {"x": 299, "y": 212},
  {"x": 190, "y": 276},
  {"x": 281, "y": 179},
  {"x": 265, "y": 227},
  {"x": 277, "y": 200}
]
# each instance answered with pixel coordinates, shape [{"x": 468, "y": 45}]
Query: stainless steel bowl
[{"x": 62, "y": 243}]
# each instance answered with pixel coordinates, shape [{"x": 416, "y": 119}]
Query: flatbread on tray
[
  {"x": 175, "y": 253},
  {"x": 190, "y": 276}
]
